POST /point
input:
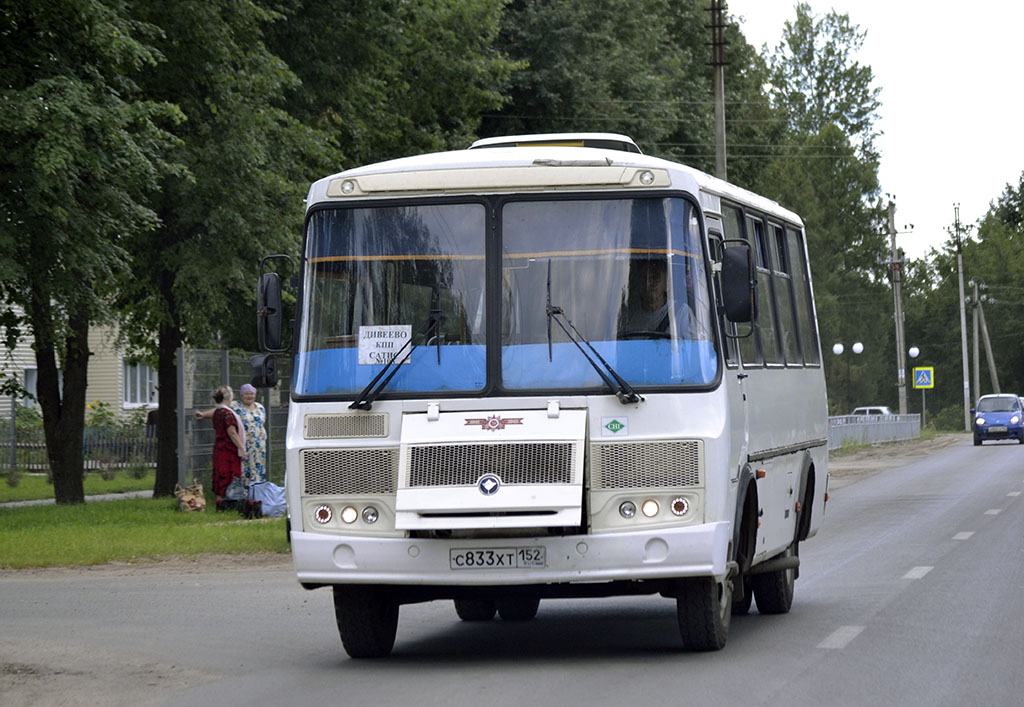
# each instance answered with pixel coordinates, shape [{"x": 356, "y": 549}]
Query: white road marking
[
  {"x": 963, "y": 536},
  {"x": 841, "y": 637},
  {"x": 917, "y": 572},
  {"x": 993, "y": 511},
  {"x": 1014, "y": 493}
]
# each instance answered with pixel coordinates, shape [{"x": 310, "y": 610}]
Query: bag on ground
[
  {"x": 190, "y": 498},
  {"x": 236, "y": 490},
  {"x": 271, "y": 495}
]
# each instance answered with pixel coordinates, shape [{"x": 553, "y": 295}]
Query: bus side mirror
[
  {"x": 268, "y": 312},
  {"x": 264, "y": 371},
  {"x": 739, "y": 282}
]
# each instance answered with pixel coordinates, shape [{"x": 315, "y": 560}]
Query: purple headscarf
[{"x": 247, "y": 388}]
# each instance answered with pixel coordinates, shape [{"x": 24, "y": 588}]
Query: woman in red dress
[{"x": 229, "y": 447}]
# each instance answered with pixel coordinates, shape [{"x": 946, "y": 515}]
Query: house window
[
  {"x": 139, "y": 385},
  {"x": 32, "y": 380}
]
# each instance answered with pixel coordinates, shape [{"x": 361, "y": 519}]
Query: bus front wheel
[
  {"x": 367, "y": 619},
  {"x": 704, "y": 610}
]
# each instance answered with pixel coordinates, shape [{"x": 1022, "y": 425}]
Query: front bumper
[
  {"x": 1010, "y": 432},
  {"x": 691, "y": 551}
]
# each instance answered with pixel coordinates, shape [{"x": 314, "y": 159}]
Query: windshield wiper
[
  {"x": 364, "y": 401},
  {"x": 622, "y": 389}
]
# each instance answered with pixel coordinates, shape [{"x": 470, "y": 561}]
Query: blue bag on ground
[{"x": 271, "y": 495}]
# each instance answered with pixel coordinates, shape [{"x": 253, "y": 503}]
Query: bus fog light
[
  {"x": 323, "y": 514},
  {"x": 680, "y": 506},
  {"x": 627, "y": 509},
  {"x": 370, "y": 515},
  {"x": 649, "y": 508},
  {"x": 349, "y": 514}
]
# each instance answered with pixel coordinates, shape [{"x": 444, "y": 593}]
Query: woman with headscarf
[
  {"x": 254, "y": 422},
  {"x": 229, "y": 446}
]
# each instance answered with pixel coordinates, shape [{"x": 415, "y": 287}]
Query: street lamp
[{"x": 838, "y": 349}]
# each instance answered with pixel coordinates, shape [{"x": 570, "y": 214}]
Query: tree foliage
[
  {"x": 392, "y": 78},
  {"x": 81, "y": 149},
  {"x": 248, "y": 162}
]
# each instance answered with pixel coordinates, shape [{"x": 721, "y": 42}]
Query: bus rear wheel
[
  {"x": 475, "y": 609},
  {"x": 774, "y": 590},
  {"x": 704, "y": 610},
  {"x": 367, "y": 619}
]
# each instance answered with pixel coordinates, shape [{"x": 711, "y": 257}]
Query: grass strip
[
  {"x": 127, "y": 530},
  {"x": 32, "y": 487}
]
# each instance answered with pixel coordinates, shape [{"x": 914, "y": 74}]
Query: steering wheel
[{"x": 629, "y": 335}]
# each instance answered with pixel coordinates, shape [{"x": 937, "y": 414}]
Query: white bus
[{"x": 549, "y": 366}]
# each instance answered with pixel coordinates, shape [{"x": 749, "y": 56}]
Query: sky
[{"x": 952, "y": 109}]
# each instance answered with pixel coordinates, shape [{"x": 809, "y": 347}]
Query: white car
[{"x": 876, "y": 410}]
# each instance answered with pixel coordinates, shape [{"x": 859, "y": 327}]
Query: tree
[
  {"x": 248, "y": 162},
  {"x": 826, "y": 169},
  {"x": 596, "y": 66},
  {"x": 393, "y": 78},
  {"x": 80, "y": 151}
]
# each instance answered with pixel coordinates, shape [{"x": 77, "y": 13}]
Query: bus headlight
[
  {"x": 323, "y": 514},
  {"x": 627, "y": 509},
  {"x": 349, "y": 514},
  {"x": 650, "y": 508},
  {"x": 370, "y": 515},
  {"x": 679, "y": 506}
]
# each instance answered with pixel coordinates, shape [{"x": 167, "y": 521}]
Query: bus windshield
[{"x": 629, "y": 274}]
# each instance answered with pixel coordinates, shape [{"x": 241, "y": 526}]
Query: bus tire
[
  {"x": 774, "y": 590},
  {"x": 367, "y": 619},
  {"x": 704, "y": 610},
  {"x": 475, "y": 609},
  {"x": 518, "y": 608}
]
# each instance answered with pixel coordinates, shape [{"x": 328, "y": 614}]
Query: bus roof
[{"x": 557, "y": 161}]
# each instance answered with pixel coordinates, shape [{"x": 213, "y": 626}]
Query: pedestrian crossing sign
[{"x": 924, "y": 377}]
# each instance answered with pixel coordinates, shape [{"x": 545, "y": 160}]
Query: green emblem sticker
[{"x": 614, "y": 426}]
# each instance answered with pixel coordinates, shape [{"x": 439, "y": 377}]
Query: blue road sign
[{"x": 924, "y": 377}]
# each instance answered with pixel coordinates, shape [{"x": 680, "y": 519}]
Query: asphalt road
[{"x": 912, "y": 594}]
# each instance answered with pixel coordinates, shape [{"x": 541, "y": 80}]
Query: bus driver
[{"x": 646, "y": 304}]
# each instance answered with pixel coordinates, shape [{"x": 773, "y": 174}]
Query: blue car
[{"x": 998, "y": 417}]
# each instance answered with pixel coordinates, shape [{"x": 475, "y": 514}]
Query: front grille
[
  {"x": 514, "y": 463},
  {"x": 349, "y": 471},
  {"x": 629, "y": 465},
  {"x": 345, "y": 426}
]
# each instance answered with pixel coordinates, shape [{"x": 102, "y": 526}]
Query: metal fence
[
  {"x": 200, "y": 373},
  {"x": 868, "y": 429}
]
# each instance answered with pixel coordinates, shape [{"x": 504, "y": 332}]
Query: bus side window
[
  {"x": 766, "y": 329},
  {"x": 784, "y": 296},
  {"x": 802, "y": 294}
]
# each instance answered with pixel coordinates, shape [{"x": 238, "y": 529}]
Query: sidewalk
[{"x": 88, "y": 499}]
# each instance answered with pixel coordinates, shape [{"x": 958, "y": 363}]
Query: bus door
[{"x": 734, "y": 377}]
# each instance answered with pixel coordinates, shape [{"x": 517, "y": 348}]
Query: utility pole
[
  {"x": 963, "y": 317},
  {"x": 718, "y": 79},
  {"x": 979, "y": 323},
  {"x": 896, "y": 268}
]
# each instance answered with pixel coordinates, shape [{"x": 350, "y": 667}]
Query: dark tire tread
[{"x": 367, "y": 620}]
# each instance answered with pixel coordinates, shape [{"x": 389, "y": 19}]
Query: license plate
[
  {"x": 997, "y": 428},
  {"x": 497, "y": 558}
]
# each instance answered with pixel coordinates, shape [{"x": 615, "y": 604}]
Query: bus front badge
[
  {"x": 494, "y": 422},
  {"x": 488, "y": 485}
]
